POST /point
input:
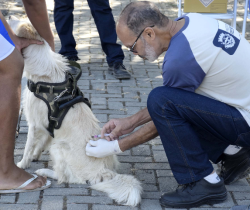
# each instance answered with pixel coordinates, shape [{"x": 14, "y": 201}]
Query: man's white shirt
[{"x": 210, "y": 58}]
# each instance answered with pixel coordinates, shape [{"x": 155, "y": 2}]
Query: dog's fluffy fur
[{"x": 67, "y": 149}]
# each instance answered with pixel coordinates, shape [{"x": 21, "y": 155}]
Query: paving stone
[
  {"x": 146, "y": 176},
  {"x": 141, "y": 150},
  {"x": 66, "y": 191},
  {"x": 127, "y": 152},
  {"x": 149, "y": 187},
  {"x": 102, "y": 117},
  {"x": 133, "y": 110},
  {"x": 29, "y": 197},
  {"x": 115, "y": 105},
  {"x": 245, "y": 189},
  {"x": 209, "y": 209},
  {"x": 89, "y": 199},
  {"x": 147, "y": 204},
  {"x": 125, "y": 168},
  {"x": 243, "y": 202},
  {"x": 160, "y": 156},
  {"x": 158, "y": 147},
  {"x": 164, "y": 173},
  {"x": 152, "y": 166},
  {"x": 7, "y": 199},
  {"x": 228, "y": 203},
  {"x": 77, "y": 207},
  {"x": 134, "y": 159},
  {"x": 109, "y": 207},
  {"x": 167, "y": 184},
  {"x": 52, "y": 202},
  {"x": 241, "y": 195},
  {"x": 19, "y": 207},
  {"x": 151, "y": 195}
]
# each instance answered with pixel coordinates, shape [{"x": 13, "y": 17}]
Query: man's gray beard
[{"x": 149, "y": 50}]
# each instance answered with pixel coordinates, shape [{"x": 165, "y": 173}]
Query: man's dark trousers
[
  {"x": 195, "y": 129},
  {"x": 104, "y": 20}
]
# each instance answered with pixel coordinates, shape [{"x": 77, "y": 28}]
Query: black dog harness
[{"x": 59, "y": 97}]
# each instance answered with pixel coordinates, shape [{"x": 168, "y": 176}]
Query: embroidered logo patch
[{"x": 227, "y": 38}]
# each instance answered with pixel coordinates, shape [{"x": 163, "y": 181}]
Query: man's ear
[{"x": 150, "y": 33}]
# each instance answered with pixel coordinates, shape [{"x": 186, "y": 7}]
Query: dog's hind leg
[
  {"x": 47, "y": 172},
  {"x": 29, "y": 149}
]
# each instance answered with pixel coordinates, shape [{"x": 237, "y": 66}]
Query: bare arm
[
  {"x": 140, "y": 117},
  {"x": 144, "y": 134},
  {"x": 37, "y": 13},
  {"x": 119, "y": 127},
  {"x": 20, "y": 43}
]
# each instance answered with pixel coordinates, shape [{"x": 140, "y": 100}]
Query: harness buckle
[
  {"x": 38, "y": 88},
  {"x": 51, "y": 89},
  {"x": 60, "y": 95}
]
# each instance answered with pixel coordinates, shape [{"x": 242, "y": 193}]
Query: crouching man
[{"x": 202, "y": 111}]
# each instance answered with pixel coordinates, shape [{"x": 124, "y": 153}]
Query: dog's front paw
[
  {"x": 46, "y": 172},
  {"x": 23, "y": 164}
]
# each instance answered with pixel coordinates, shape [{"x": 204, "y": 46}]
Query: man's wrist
[{"x": 133, "y": 121}]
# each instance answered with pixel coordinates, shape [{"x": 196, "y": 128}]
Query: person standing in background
[{"x": 104, "y": 20}]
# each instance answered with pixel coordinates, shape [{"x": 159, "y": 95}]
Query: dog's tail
[{"x": 124, "y": 189}]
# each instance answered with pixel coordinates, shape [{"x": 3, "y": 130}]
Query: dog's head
[
  {"x": 39, "y": 60},
  {"x": 23, "y": 28}
]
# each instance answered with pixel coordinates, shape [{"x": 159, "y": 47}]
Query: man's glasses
[{"x": 132, "y": 48}]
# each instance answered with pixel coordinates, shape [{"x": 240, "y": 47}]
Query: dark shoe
[
  {"x": 241, "y": 207},
  {"x": 73, "y": 58},
  {"x": 235, "y": 167},
  {"x": 72, "y": 61},
  {"x": 195, "y": 194},
  {"x": 119, "y": 71}
]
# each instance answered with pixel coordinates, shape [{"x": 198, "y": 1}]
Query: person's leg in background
[
  {"x": 64, "y": 21},
  {"x": 104, "y": 20},
  {"x": 11, "y": 176},
  {"x": 175, "y": 113}
]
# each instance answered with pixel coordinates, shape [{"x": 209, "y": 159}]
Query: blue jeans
[
  {"x": 104, "y": 20},
  {"x": 195, "y": 129}
]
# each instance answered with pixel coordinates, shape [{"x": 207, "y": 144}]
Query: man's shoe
[
  {"x": 241, "y": 207},
  {"x": 195, "y": 194},
  {"x": 119, "y": 71},
  {"x": 235, "y": 167},
  {"x": 73, "y": 58}
]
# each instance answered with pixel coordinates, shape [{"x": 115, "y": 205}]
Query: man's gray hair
[{"x": 141, "y": 14}]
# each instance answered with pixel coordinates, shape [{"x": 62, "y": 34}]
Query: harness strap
[{"x": 39, "y": 88}]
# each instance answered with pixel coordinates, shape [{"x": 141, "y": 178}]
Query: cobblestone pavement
[{"x": 111, "y": 98}]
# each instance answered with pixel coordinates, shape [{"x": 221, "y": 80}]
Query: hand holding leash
[{"x": 102, "y": 148}]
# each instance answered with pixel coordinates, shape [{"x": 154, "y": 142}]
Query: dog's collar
[{"x": 59, "y": 97}]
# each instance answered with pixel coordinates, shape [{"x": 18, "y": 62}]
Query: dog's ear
[{"x": 26, "y": 30}]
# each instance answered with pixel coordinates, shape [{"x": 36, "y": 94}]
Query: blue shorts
[{"x": 6, "y": 44}]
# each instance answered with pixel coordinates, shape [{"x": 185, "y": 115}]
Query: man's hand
[
  {"x": 117, "y": 128},
  {"x": 102, "y": 148},
  {"x": 21, "y": 43}
]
